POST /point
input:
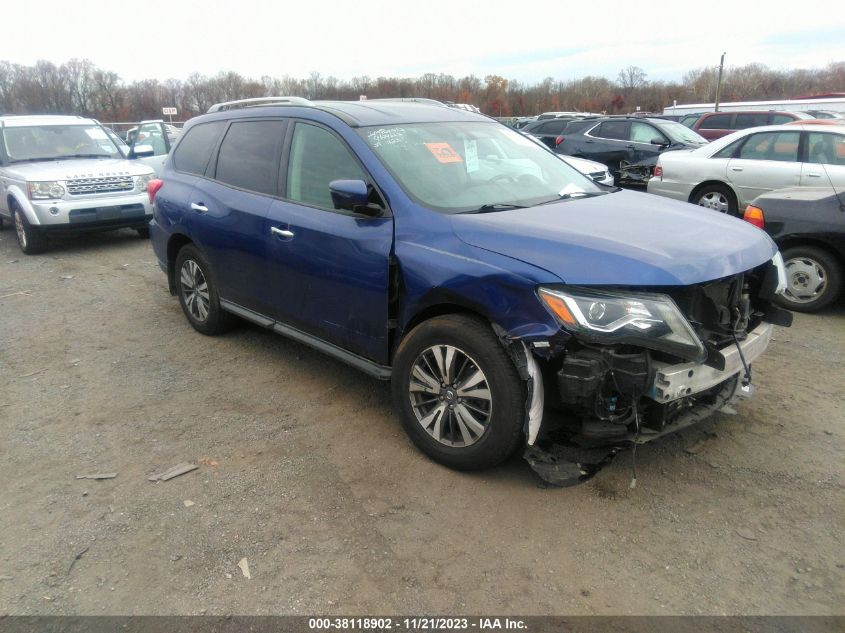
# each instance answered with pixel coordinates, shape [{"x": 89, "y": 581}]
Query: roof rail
[
  {"x": 259, "y": 101},
  {"x": 412, "y": 99}
]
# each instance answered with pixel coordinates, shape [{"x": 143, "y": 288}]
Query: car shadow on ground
[{"x": 81, "y": 242}]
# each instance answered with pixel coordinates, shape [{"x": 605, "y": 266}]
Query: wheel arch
[
  {"x": 436, "y": 308},
  {"x": 174, "y": 245},
  {"x": 796, "y": 241},
  {"x": 16, "y": 198},
  {"x": 720, "y": 183}
]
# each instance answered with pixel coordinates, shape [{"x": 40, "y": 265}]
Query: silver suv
[{"x": 64, "y": 173}]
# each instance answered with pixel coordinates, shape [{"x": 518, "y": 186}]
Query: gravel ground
[{"x": 306, "y": 473}]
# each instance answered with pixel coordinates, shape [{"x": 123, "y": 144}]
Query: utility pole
[{"x": 719, "y": 82}]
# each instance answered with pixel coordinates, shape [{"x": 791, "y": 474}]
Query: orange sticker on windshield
[{"x": 444, "y": 153}]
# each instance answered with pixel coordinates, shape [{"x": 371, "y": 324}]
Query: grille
[{"x": 105, "y": 184}]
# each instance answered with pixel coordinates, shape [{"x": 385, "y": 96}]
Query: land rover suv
[
  {"x": 65, "y": 173},
  {"x": 481, "y": 275}
]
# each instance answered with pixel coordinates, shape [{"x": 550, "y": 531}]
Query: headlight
[
  {"x": 141, "y": 182},
  {"x": 46, "y": 190},
  {"x": 649, "y": 320}
]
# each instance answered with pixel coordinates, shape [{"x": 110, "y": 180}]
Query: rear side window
[
  {"x": 825, "y": 149},
  {"x": 729, "y": 151},
  {"x": 780, "y": 146},
  {"x": 194, "y": 151},
  {"x": 553, "y": 127},
  {"x": 249, "y": 153},
  {"x": 316, "y": 158},
  {"x": 751, "y": 120},
  {"x": 780, "y": 119},
  {"x": 615, "y": 130},
  {"x": 717, "y": 122}
]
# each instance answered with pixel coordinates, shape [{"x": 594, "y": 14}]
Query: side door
[
  {"x": 643, "y": 137},
  {"x": 331, "y": 267},
  {"x": 609, "y": 143},
  {"x": 230, "y": 207},
  {"x": 824, "y": 165},
  {"x": 151, "y": 134},
  {"x": 766, "y": 161}
]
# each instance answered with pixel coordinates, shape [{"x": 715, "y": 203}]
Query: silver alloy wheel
[
  {"x": 195, "y": 290},
  {"x": 19, "y": 229},
  {"x": 806, "y": 280},
  {"x": 714, "y": 200},
  {"x": 450, "y": 396}
]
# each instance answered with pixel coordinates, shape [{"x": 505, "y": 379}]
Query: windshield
[
  {"x": 681, "y": 133},
  {"x": 55, "y": 142},
  {"x": 473, "y": 166}
]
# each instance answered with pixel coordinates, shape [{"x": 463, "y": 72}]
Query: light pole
[{"x": 719, "y": 82}]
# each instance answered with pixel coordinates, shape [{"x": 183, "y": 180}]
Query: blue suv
[{"x": 511, "y": 301}]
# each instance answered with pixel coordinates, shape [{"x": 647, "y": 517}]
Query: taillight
[
  {"x": 658, "y": 171},
  {"x": 755, "y": 216},
  {"x": 152, "y": 188},
  {"x": 558, "y": 140}
]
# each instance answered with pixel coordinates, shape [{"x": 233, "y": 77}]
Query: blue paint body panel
[{"x": 333, "y": 278}]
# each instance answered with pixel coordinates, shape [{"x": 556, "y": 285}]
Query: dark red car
[{"x": 713, "y": 125}]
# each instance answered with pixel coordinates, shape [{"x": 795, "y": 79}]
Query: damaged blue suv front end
[{"x": 512, "y": 301}]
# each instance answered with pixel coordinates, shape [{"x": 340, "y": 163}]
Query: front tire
[
  {"x": 198, "y": 294},
  {"x": 459, "y": 396},
  {"x": 717, "y": 197},
  {"x": 813, "y": 279},
  {"x": 30, "y": 239}
]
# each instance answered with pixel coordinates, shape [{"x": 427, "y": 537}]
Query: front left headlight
[
  {"x": 141, "y": 182},
  {"x": 45, "y": 190},
  {"x": 603, "y": 316}
]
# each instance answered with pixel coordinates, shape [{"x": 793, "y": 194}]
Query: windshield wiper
[
  {"x": 489, "y": 208},
  {"x": 83, "y": 156},
  {"x": 576, "y": 194},
  {"x": 36, "y": 159}
]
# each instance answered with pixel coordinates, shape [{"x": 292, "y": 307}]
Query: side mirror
[
  {"x": 142, "y": 151},
  {"x": 658, "y": 141},
  {"x": 353, "y": 195}
]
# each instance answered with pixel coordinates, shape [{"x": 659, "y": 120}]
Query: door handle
[
  {"x": 199, "y": 207},
  {"x": 736, "y": 168},
  {"x": 629, "y": 146},
  {"x": 814, "y": 174},
  {"x": 281, "y": 232}
]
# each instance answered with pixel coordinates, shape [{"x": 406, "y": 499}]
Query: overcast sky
[{"x": 527, "y": 41}]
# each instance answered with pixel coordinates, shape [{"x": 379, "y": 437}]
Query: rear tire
[
  {"x": 198, "y": 293},
  {"x": 813, "y": 279},
  {"x": 30, "y": 239},
  {"x": 457, "y": 360},
  {"x": 717, "y": 197},
  {"x": 144, "y": 232}
]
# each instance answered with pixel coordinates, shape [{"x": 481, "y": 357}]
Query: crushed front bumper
[
  {"x": 672, "y": 382},
  {"x": 566, "y": 464}
]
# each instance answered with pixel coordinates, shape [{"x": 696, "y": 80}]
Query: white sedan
[
  {"x": 591, "y": 168},
  {"x": 727, "y": 174}
]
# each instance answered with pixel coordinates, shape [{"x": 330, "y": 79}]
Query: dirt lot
[{"x": 309, "y": 476}]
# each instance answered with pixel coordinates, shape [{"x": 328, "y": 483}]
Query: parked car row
[
  {"x": 628, "y": 146},
  {"x": 727, "y": 174},
  {"x": 478, "y": 271}
]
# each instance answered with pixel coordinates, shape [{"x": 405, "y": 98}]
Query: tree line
[{"x": 80, "y": 87}]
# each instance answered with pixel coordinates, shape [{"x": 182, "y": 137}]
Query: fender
[{"x": 14, "y": 192}]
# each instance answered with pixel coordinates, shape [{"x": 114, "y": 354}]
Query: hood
[
  {"x": 621, "y": 239},
  {"x": 77, "y": 168}
]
